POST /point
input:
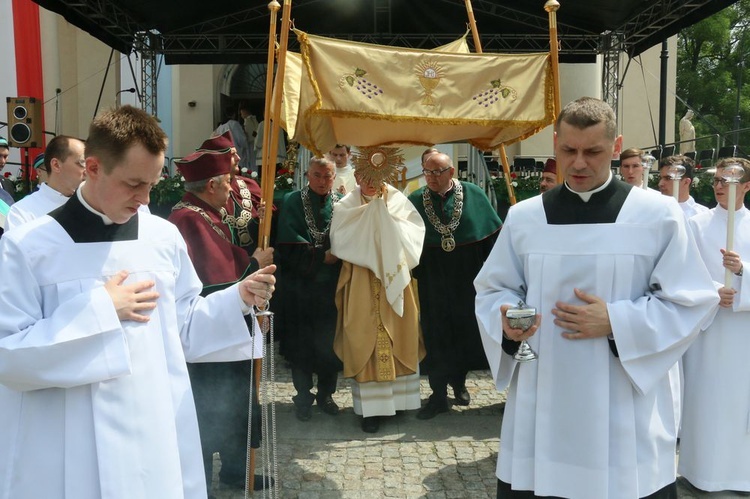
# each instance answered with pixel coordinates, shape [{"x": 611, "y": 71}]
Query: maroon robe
[{"x": 217, "y": 261}]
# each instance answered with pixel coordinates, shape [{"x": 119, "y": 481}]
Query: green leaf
[
  {"x": 505, "y": 92},
  {"x": 360, "y": 72},
  {"x": 350, "y": 80},
  {"x": 496, "y": 83},
  {"x": 711, "y": 78}
]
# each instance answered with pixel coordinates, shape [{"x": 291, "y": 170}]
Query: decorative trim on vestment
[
  {"x": 241, "y": 223},
  {"x": 318, "y": 236},
  {"x": 200, "y": 211},
  {"x": 383, "y": 347},
  {"x": 448, "y": 243}
]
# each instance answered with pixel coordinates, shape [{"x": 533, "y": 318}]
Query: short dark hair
[
  {"x": 587, "y": 112},
  {"x": 230, "y": 113},
  {"x": 114, "y": 131},
  {"x": 679, "y": 159},
  {"x": 348, "y": 148},
  {"x": 59, "y": 149}
]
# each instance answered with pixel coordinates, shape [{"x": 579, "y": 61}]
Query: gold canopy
[{"x": 372, "y": 95}]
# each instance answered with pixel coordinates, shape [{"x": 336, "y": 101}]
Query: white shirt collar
[
  {"x": 50, "y": 192},
  {"x": 105, "y": 218},
  {"x": 585, "y": 196}
]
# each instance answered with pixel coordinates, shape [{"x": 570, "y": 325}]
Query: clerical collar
[
  {"x": 585, "y": 196},
  {"x": 105, "y": 219},
  {"x": 85, "y": 225}
]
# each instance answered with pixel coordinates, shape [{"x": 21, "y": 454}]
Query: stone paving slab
[{"x": 451, "y": 456}]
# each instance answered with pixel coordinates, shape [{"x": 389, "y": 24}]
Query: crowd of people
[{"x": 133, "y": 341}]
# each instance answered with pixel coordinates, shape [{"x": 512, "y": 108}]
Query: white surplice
[
  {"x": 580, "y": 422},
  {"x": 345, "y": 178},
  {"x": 690, "y": 208},
  {"x": 93, "y": 407},
  {"x": 715, "y": 440},
  {"x": 34, "y": 205}
]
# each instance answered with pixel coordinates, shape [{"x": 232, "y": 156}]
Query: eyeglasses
[
  {"x": 722, "y": 182},
  {"x": 435, "y": 173}
]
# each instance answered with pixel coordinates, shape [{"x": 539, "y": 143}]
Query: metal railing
[{"x": 478, "y": 173}]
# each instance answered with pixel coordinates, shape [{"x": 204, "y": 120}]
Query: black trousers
[
  {"x": 222, "y": 391},
  {"x": 504, "y": 492},
  {"x": 303, "y": 383},
  {"x": 439, "y": 383}
]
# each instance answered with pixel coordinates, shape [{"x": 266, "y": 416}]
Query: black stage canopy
[{"x": 236, "y": 31}]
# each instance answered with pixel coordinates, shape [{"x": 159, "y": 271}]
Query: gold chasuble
[
  {"x": 369, "y": 95},
  {"x": 378, "y": 337}
]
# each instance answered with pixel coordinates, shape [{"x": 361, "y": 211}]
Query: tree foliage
[{"x": 711, "y": 55}]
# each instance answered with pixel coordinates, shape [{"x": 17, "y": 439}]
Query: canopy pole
[
  {"x": 273, "y": 7},
  {"x": 272, "y": 136},
  {"x": 268, "y": 170},
  {"x": 506, "y": 174},
  {"x": 473, "y": 25},
  {"x": 503, "y": 155},
  {"x": 551, "y": 7}
]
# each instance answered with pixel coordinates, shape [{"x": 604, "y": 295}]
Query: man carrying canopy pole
[{"x": 270, "y": 145}]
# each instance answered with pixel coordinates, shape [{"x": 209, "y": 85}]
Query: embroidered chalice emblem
[{"x": 429, "y": 74}]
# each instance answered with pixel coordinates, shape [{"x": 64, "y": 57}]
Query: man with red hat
[
  {"x": 549, "y": 176},
  {"x": 245, "y": 205},
  {"x": 222, "y": 413}
]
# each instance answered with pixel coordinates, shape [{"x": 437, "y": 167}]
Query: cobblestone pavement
[{"x": 451, "y": 456}]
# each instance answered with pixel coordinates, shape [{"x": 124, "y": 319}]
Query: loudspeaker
[{"x": 25, "y": 122}]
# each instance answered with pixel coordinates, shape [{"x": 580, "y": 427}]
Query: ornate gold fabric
[
  {"x": 370, "y": 95},
  {"x": 293, "y": 80},
  {"x": 372, "y": 341},
  {"x": 385, "y": 235}
]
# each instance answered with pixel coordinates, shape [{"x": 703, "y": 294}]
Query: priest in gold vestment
[{"x": 378, "y": 234}]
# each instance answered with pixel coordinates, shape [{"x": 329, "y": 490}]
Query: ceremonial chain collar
[
  {"x": 446, "y": 231},
  {"x": 202, "y": 212},
  {"x": 242, "y": 222},
  {"x": 319, "y": 237}
]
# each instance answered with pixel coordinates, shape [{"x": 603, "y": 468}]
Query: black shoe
[
  {"x": 371, "y": 424},
  {"x": 328, "y": 406},
  {"x": 262, "y": 482},
  {"x": 461, "y": 396},
  {"x": 303, "y": 412},
  {"x": 433, "y": 407}
]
